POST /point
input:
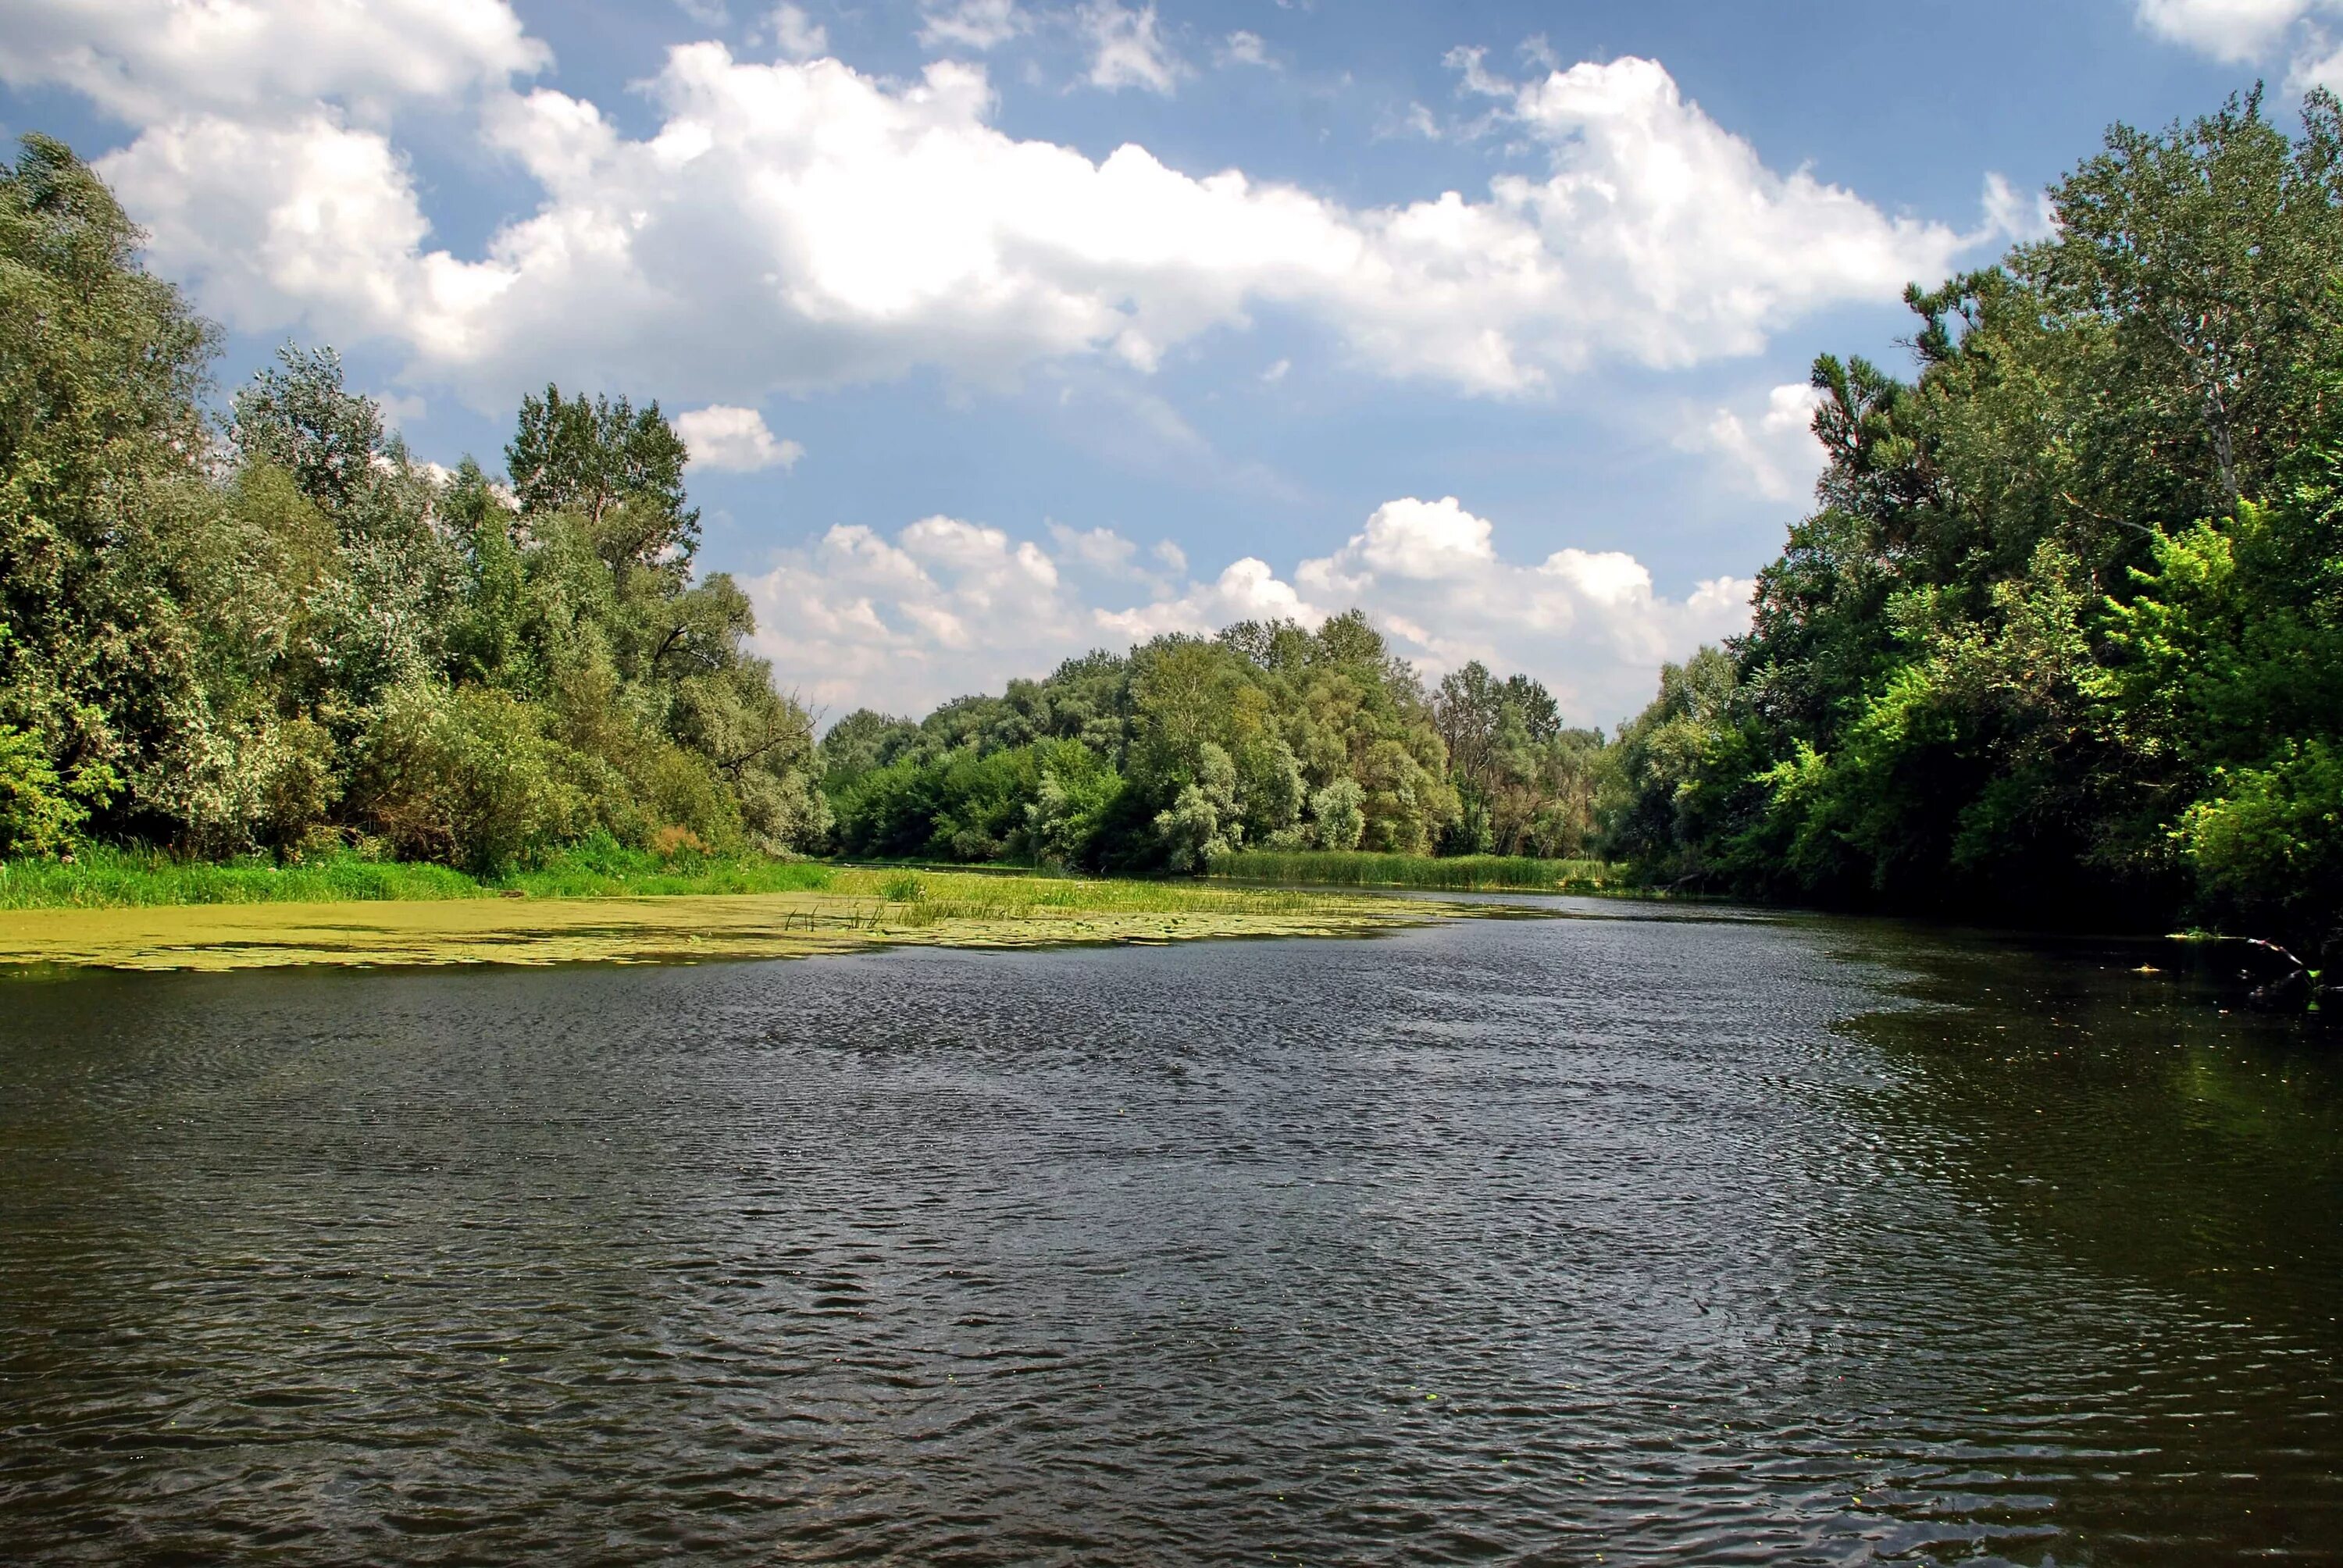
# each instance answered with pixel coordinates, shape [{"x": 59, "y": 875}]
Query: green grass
[
  {"x": 102, "y": 877},
  {"x": 1464, "y": 873}
]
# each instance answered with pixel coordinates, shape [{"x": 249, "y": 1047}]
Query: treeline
[
  {"x": 279, "y": 631},
  {"x": 1267, "y": 736},
  {"x": 2063, "y": 636}
]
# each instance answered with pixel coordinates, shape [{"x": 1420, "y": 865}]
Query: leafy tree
[
  {"x": 619, "y": 467},
  {"x": 2061, "y": 635}
]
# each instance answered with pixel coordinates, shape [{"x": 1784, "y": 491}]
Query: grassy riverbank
[
  {"x": 410, "y": 916},
  {"x": 99, "y": 876},
  {"x": 1460, "y": 873}
]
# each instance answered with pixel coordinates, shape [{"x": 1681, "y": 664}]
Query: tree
[
  {"x": 619, "y": 467},
  {"x": 101, "y": 437}
]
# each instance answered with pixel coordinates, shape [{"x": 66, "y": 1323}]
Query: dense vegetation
[
  {"x": 2063, "y": 636},
  {"x": 1189, "y": 749},
  {"x": 1461, "y": 873},
  {"x": 283, "y": 633}
]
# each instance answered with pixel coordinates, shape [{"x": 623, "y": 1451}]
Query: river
[{"x": 1629, "y": 1236}]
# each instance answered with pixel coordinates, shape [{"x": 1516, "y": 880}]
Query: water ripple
[{"x": 1731, "y": 1241}]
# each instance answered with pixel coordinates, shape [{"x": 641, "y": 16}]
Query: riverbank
[
  {"x": 100, "y": 876},
  {"x": 1455, "y": 873},
  {"x": 849, "y": 910}
]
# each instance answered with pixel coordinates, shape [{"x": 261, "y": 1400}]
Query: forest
[{"x": 2061, "y": 639}]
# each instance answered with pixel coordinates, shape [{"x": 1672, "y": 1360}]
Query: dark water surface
[{"x": 1591, "y": 1239}]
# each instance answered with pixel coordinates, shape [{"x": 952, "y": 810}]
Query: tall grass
[
  {"x": 1461, "y": 873},
  {"x": 103, "y": 877}
]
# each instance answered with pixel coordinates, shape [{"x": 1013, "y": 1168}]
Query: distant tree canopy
[
  {"x": 1266, "y": 736},
  {"x": 2065, "y": 634},
  {"x": 288, "y": 634}
]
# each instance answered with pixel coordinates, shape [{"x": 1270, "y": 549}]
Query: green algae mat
[{"x": 995, "y": 913}]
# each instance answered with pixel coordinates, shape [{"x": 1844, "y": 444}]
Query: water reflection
[{"x": 1728, "y": 1239}]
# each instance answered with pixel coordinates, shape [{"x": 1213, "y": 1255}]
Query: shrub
[
  {"x": 463, "y": 777},
  {"x": 1339, "y": 815},
  {"x": 669, "y": 842},
  {"x": 36, "y": 817}
]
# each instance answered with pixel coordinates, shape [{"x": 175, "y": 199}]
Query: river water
[{"x": 1623, "y": 1237}]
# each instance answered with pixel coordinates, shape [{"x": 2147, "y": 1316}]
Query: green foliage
[
  {"x": 102, "y": 876},
  {"x": 1461, "y": 873},
  {"x": 315, "y": 639},
  {"x": 1526, "y": 784},
  {"x": 36, "y": 815},
  {"x": 464, "y": 776},
  {"x": 618, "y": 468},
  {"x": 2065, "y": 636},
  {"x": 1338, "y": 815},
  {"x": 2267, "y": 842},
  {"x": 1187, "y": 749}
]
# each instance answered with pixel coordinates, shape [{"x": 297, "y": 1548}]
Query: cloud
[
  {"x": 2255, "y": 32},
  {"x": 1773, "y": 454},
  {"x": 145, "y": 61},
  {"x": 1126, "y": 50},
  {"x": 2236, "y": 31},
  {"x": 1470, "y": 65},
  {"x": 1671, "y": 228},
  {"x": 734, "y": 440},
  {"x": 1243, "y": 48},
  {"x": 797, "y": 35},
  {"x": 1587, "y": 623},
  {"x": 2021, "y": 217},
  {"x": 976, "y": 25},
  {"x": 948, "y": 606},
  {"x": 707, "y": 13},
  {"x": 300, "y": 216},
  {"x": 797, "y": 224}
]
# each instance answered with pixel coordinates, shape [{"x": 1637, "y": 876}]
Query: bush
[
  {"x": 668, "y": 844},
  {"x": 1338, "y": 813},
  {"x": 36, "y": 817},
  {"x": 463, "y": 777},
  {"x": 2269, "y": 848}
]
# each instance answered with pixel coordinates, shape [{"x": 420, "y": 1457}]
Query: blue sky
[{"x": 1004, "y": 329}]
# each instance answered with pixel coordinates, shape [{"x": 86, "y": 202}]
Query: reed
[{"x": 1460, "y": 873}]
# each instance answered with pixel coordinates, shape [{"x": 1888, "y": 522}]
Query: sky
[{"x": 1001, "y": 330}]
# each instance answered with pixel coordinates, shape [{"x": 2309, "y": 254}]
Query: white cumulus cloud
[
  {"x": 948, "y": 606},
  {"x": 2237, "y": 31},
  {"x": 1588, "y": 623},
  {"x": 2298, "y": 33},
  {"x": 1773, "y": 452},
  {"x": 148, "y": 60},
  {"x": 797, "y": 224},
  {"x": 734, "y": 440},
  {"x": 2021, "y": 215}
]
